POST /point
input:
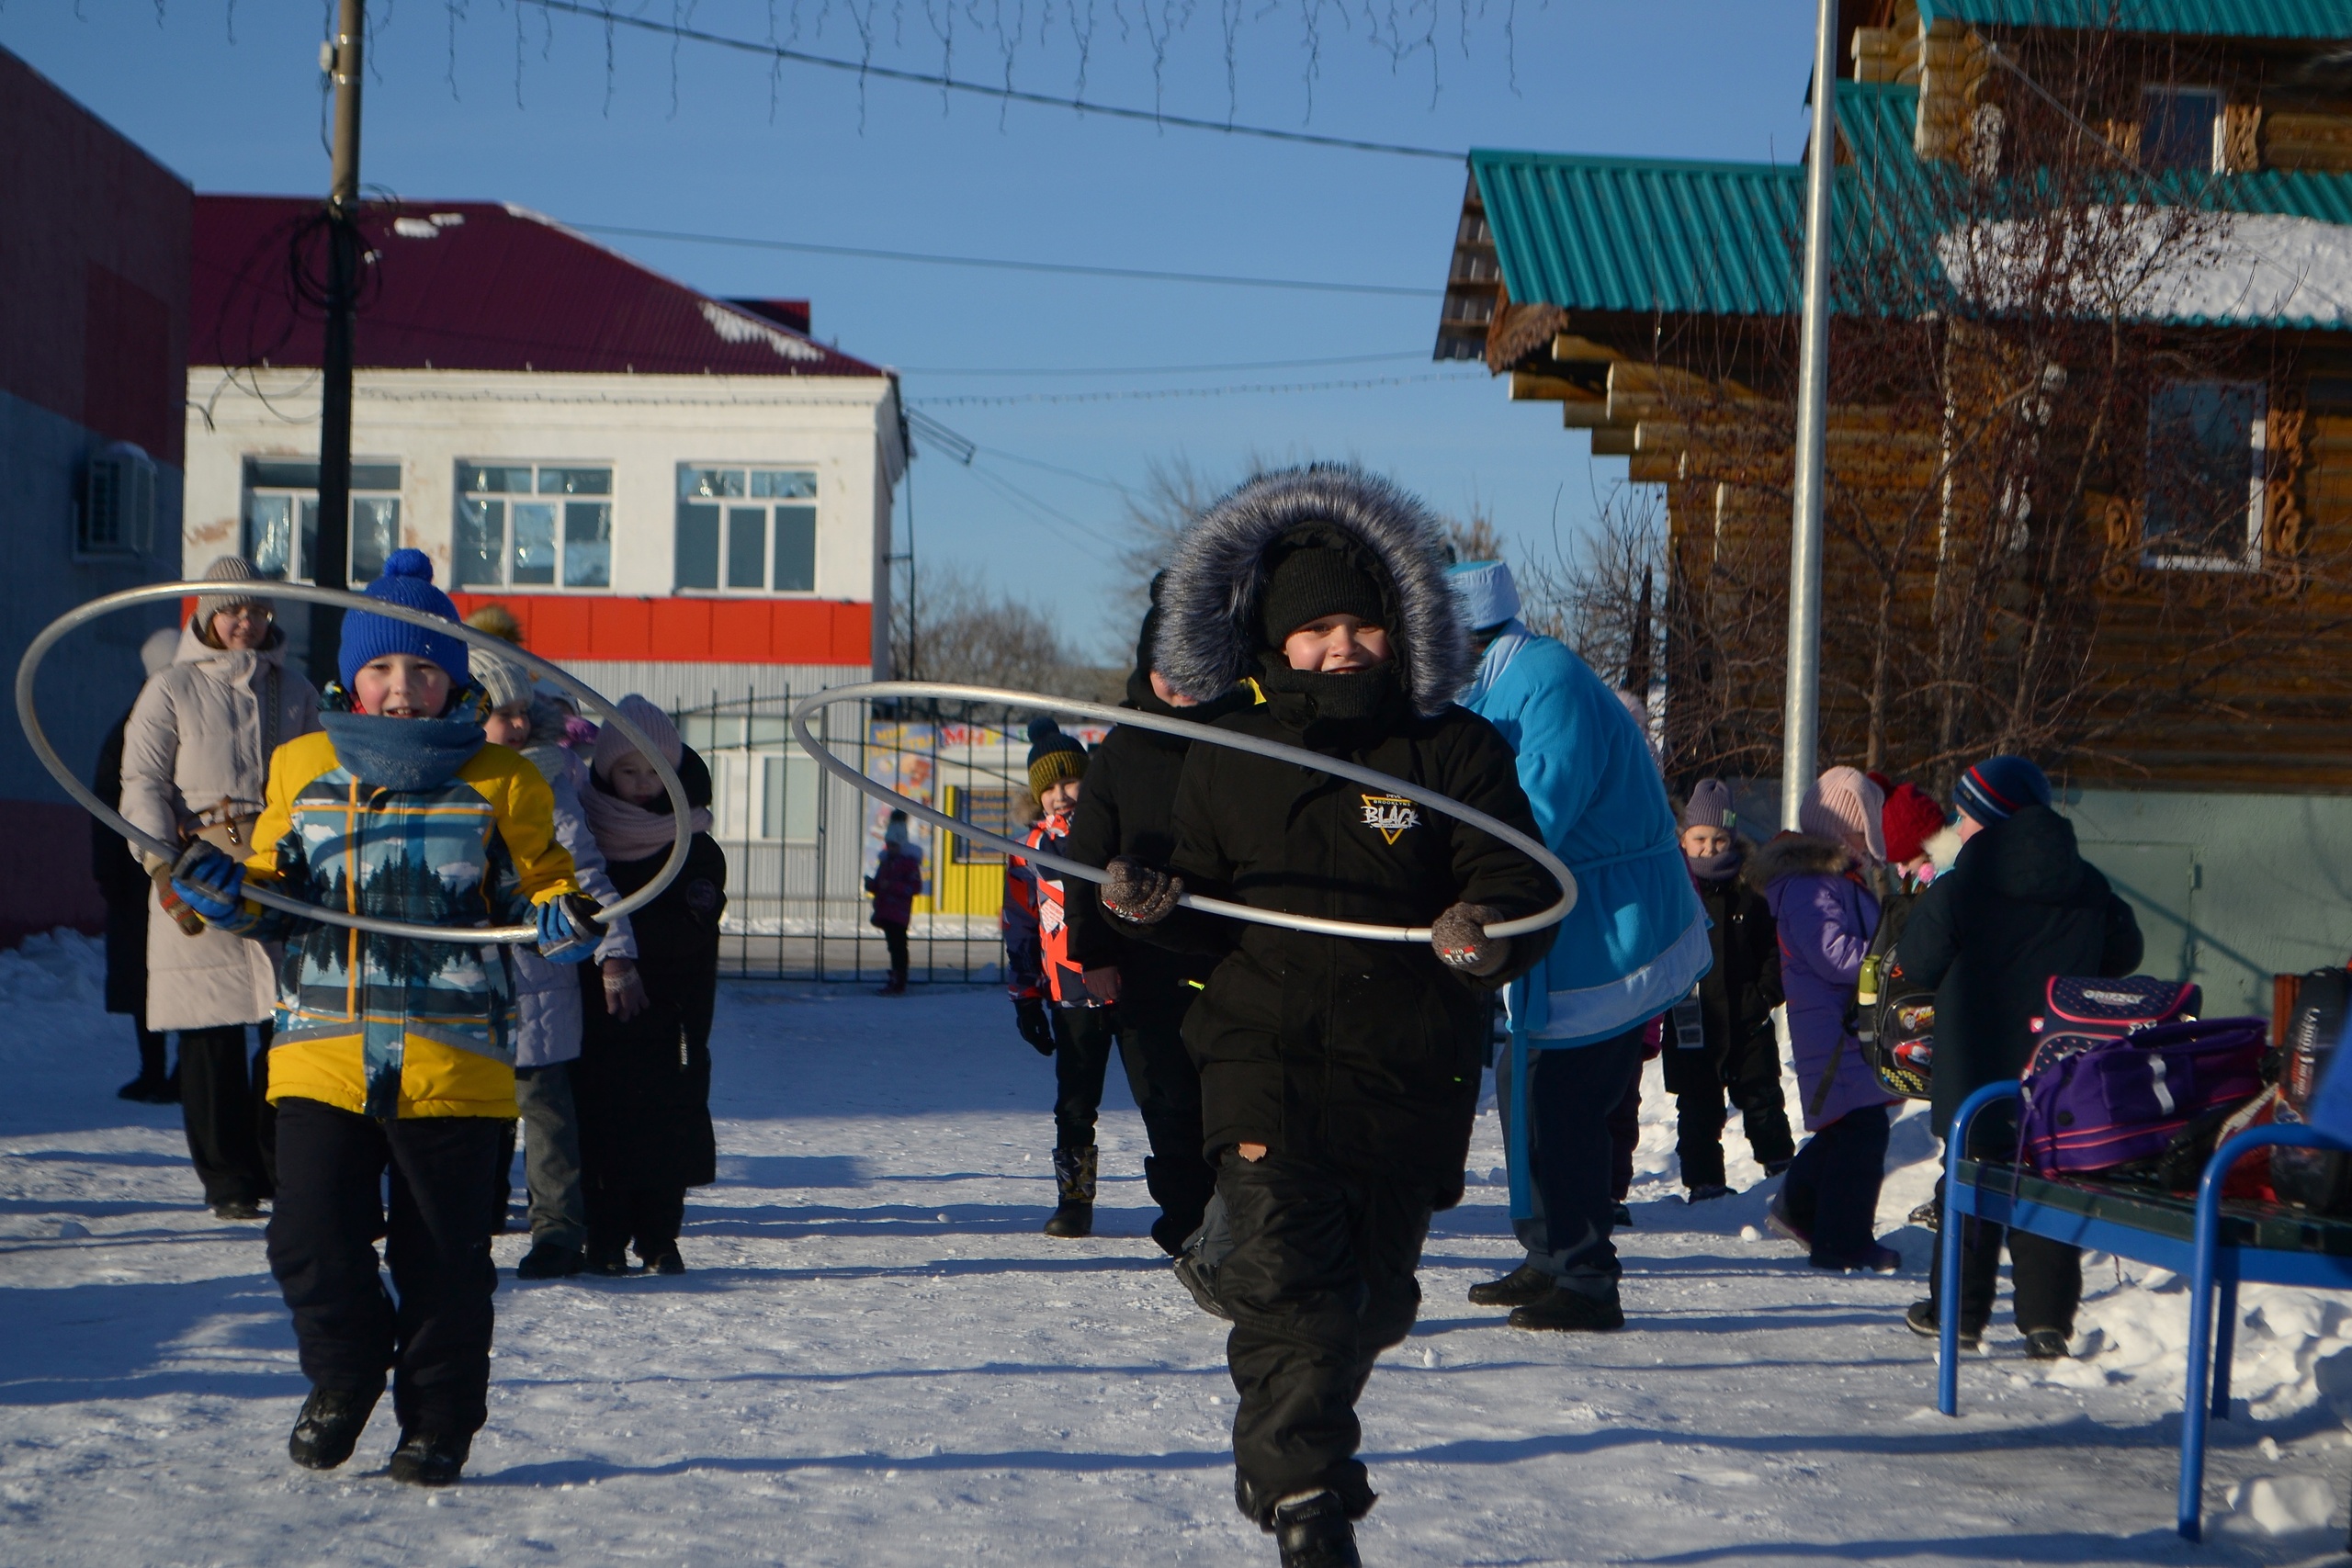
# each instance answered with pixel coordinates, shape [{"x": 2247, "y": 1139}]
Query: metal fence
[{"x": 800, "y": 844}]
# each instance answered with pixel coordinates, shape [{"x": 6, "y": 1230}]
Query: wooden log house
[{"x": 2207, "y": 755}]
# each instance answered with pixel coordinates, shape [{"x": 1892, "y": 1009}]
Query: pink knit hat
[
  {"x": 612, "y": 746},
  {"x": 1844, "y": 806}
]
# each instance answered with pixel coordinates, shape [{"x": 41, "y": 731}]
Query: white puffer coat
[{"x": 201, "y": 732}]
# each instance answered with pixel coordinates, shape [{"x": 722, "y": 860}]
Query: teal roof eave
[
  {"x": 1643, "y": 235},
  {"x": 2319, "y": 20}
]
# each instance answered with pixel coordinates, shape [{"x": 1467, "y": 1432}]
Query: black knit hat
[
  {"x": 1150, "y": 637},
  {"x": 1054, "y": 757},
  {"x": 1310, "y": 575}
]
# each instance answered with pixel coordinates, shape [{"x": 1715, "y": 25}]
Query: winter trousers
[
  {"x": 231, "y": 1127},
  {"x": 651, "y": 1217},
  {"x": 432, "y": 1331},
  {"x": 1625, "y": 1136},
  {"x": 551, "y": 1153},
  {"x": 1167, "y": 1089},
  {"x": 1752, "y": 1075},
  {"x": 1564, "y": 1219},
  {"x": 152, "y": 1066},
  {"x": 1319, "y": 1283},
  {"x": 2045, "y": 1276},
  {"x": 1831, "y": 1190},
  {"x": 895, "y": 939}
]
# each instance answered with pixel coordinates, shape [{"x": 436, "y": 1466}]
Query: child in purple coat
[
  {"x": 897, "y": 879},
  {"x": 1812, "y": 880}
]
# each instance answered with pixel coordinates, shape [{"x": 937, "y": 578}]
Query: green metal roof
[
  {"x": 1649, "y": 235},
  {"x": 2201, "y": 18}
]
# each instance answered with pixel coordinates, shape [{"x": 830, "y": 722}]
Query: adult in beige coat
[{"x": 195, "y": 762}]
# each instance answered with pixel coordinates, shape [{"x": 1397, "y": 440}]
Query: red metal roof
[{"x": 469, "y": 285}]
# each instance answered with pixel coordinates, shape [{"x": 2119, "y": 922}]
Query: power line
[
  {"x": 1006, "y": 264},
  {"x": 604, "y": 13},
  {"x": 1162, "y": 370},
  {"x": 986, "y": 398}
]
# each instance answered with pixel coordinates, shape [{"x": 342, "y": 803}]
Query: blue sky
[{"x": 698, "y": 140}]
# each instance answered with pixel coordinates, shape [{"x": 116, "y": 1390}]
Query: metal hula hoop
[
  {"x": 55, "y": 632},
  {"x": 865, "y": 690}
]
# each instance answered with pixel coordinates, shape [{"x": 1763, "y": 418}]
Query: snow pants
[
  {"x": 1319, "y": 1283},
  {"x": 1751, "y": 1074},
  {"x": 1167, "y": 1089},
  {"x": 230, "y": 1128},
  {"x": 1561, "y": 1198},
  {"x": 551, "y": 1153},
  {"x": 1832, "y": 1186},
  {"x": 433, "y": 1330}
]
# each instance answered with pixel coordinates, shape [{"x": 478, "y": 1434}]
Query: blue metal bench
[{"x": 2215, "y": 1247}]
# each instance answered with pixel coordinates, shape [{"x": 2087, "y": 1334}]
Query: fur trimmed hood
[
  {"x": 1796, "y": 855},
  {"x": 1209, "y": 637}
]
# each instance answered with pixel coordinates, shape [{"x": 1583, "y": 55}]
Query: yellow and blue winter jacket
[{"x": 463, "y": 835}]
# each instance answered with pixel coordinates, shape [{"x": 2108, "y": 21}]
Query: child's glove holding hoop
[
  {"x": 568, "y": 929},
  {"x": 209, "y": 882},
  {"x": 1139, "y": 894},
  {"x": 1461, "y": 943}
]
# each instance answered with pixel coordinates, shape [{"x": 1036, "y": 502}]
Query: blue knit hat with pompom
[{"x": 407, "y": 580}]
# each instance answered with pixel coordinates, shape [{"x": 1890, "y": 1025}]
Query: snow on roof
[
  {"x": 2202, "y": 269},
  {"x": 469, "y": 286}
]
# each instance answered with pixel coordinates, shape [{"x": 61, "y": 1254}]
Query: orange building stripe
[{"x": 688, "y": 630}]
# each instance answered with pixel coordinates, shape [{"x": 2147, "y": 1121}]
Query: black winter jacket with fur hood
[{"x": 1359, "y": 1054}]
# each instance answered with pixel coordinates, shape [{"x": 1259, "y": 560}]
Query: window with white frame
[
  {"x": 746, "y": 530},
  {"x": 2205, "y": 467},
  {"x": 282, "y": 517},
  {"x": 533, "y": 525}
]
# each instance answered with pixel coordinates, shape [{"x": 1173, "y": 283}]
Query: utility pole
[
  {"x": 1801, "y": 725},
  {"x": 330, "y": 560}
]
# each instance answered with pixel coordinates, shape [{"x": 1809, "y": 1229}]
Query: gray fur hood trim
[
  {"x": 1796, "y": 854},
  {"x": 1209, "y": 637}
]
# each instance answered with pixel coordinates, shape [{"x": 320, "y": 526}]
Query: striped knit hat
[{"x": 1998, "y": 787}]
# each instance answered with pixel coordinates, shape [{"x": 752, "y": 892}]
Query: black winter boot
[
  {"x": 550, "y": 1260},
  {"x": 1074, "y": 1176},
  {"x": 1314, "y": 1533},
  {"x": 424, "y": 1460},
  {"x": 329, "y": 1426},
  {"x": 1523, "y": 1284},
  {"x": 1563, "y": 1310}
]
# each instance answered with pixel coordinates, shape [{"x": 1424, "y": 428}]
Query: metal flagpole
[
  {"x": 330, "y": 565},
  {"x": 1801, "y": 727}
]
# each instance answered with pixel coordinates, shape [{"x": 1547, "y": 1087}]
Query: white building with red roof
[{"x": 674, "y": 494}]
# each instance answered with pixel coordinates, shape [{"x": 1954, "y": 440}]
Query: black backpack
[{"x": 1896, "y": 1023}]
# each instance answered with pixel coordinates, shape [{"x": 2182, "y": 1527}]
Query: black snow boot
[
  {"x": 550, "y": 1260},
  {"x": 1314, "y": 1533},
  {"x": 1563, "y": 1310},
  {"x": 329, "y": 1426},
  {"x": 1074, "y": 1176},
  {"x": 1523, "y": 1284},
  {"x": 424, "y": 1460}
]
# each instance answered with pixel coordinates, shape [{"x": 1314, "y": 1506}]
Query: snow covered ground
[{"x": 876, "y": 1360}]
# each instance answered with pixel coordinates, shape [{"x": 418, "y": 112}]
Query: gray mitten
[
  {"x": 1461, "y": 943},
  {"x": 1138, "y": 894}
]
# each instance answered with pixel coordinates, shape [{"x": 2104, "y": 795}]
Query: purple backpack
[{"x": 2117, "y": 1101}]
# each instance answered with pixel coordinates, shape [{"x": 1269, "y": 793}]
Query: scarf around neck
[
  {"x": 1306, "y": 698},
  {"x": 627, "y": 832},
  {"x": 401, "y": 753}
]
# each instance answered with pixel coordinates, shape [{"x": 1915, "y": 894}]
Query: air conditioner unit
[{"x": 118, "y": 511}]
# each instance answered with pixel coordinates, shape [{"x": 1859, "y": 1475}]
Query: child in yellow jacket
[{"x": 390, "y": 1054}]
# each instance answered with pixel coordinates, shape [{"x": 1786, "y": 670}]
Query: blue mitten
[
  {"x": 211, "y": 882},
  {"x": 568, "y": 929}
]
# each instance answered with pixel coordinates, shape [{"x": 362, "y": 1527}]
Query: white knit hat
[
  {"x": 502, "y": 680},
  {"x": 612, "y": 744}
]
